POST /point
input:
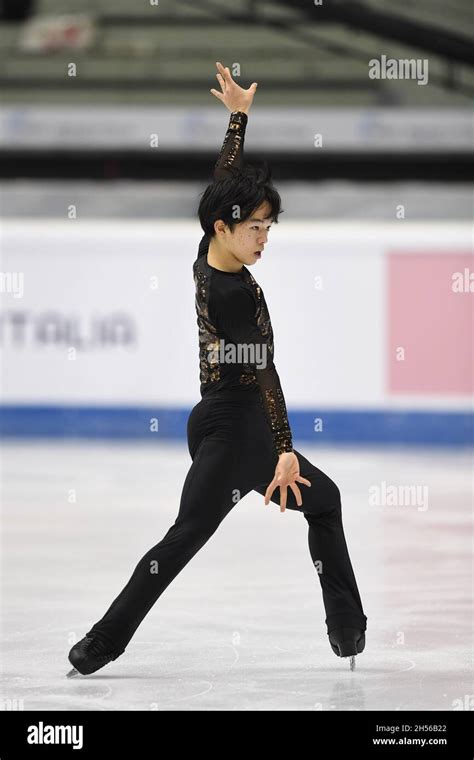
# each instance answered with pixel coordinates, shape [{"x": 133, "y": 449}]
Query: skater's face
[{"x": 248, "y": 238}]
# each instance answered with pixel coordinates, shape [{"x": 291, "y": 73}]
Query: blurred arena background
[{"x": 108, "y": 134}]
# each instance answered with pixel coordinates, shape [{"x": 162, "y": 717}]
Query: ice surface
[{"x": 242, "y": 626}]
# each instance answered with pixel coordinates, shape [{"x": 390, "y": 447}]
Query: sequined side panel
[
  {"x": 209, "y": 368},
  {"x": 274, "y": 399},
  {"x": 249, "y": 376}
]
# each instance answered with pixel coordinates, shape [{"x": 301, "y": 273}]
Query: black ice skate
[
  {"x": 90, "y": 654},
  {"x": 347, "y": 642}
]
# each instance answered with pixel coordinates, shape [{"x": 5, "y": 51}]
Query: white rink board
[{"x": 329, "y": 343}]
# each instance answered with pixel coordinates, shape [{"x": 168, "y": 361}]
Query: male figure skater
[{"x": 238, "y": 434}]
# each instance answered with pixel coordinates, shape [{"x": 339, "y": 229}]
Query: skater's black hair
[{"x": 235, "y": 197}]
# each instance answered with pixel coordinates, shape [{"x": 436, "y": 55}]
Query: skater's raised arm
[{"x": 238, "y": 101}]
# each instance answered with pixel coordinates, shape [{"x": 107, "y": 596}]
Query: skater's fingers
[
  {"x": 297, "y": 493},
  {"x": 283, "y": 492},
  {"x": 217, "y": 94},
  {"x": 225, "y": 72},
  {"x": 303, "y": 480},
  {"x": 269, "y": 491},
  {"x": 221, "y": 82}
]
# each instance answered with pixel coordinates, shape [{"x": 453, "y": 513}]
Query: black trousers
[{"x": 229, "y": 441}]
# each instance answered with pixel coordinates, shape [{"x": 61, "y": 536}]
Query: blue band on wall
[{"x": 158, "y": 423}]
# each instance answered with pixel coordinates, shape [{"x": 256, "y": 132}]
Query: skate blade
[
  {"x": 352, "y": 661},
  {"x": 72, "y": 673}
]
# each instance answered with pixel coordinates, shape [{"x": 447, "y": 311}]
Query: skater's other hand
[
  {"x": 233, "y": 96},
  {"x": 287, "y": 472}
]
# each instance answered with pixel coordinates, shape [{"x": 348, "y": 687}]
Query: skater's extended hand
[
  {"x": 287, "y": 472},
  {"x": 233, "y": 96}
]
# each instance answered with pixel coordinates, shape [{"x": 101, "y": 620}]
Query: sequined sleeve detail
[
  {"x": 243, "y": 322},
  {"x": 231, "y": 155}
]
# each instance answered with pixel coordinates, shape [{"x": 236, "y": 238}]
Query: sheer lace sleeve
[
  {"x": 236, "y": 321},
  {"x": 232, "y": 151}
]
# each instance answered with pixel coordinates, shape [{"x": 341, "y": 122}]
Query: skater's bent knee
[
  {"x": 331, "y": 494},
  {"x": 336, "y": 495},
  {"x": 322, "y": 501}
]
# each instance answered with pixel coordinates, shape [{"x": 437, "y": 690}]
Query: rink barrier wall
[{"x": 372, "y": 328}]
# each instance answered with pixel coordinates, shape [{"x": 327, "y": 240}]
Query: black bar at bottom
[{"x": 97, "y": 734}]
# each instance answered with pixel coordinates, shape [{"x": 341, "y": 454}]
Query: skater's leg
[
  {"x": 207, "y": 497},
  {"x": 327, "y": 545}
]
